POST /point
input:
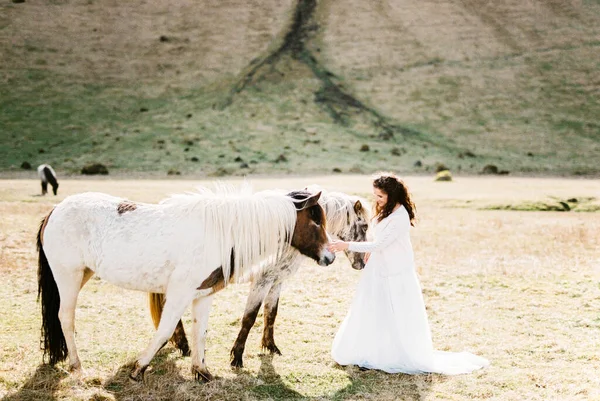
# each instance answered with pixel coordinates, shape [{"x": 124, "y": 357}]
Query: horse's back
[
  {"x": 76, "y": 220},
  {"x": 87, "y": 205},
  {"x": 91, "y": 197},
  {"x": 85, "y": 223},
  {"x": 42, "y": 168},
  {"x": 133, "y": 245}
]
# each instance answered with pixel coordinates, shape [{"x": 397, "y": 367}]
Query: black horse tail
[
  {"x": 53, "y": 340},
  {"x": 51, "y": 178}
]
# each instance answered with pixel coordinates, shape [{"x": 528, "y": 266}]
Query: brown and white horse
[
  {"x": 347, "y": 218},
  {"x": 187, "y": 247}
]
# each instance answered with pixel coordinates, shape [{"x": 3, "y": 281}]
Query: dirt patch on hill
[{"x": 183, "y": 43}]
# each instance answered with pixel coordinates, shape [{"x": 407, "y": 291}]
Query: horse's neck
[
  {"x": 289, "y": 260},
  {"x": 260, "y": 233}
]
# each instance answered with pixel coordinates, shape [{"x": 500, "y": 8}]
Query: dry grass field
[{"x": 521, "y": 288}]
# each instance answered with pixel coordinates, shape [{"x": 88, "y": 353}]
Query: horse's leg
[
  {"x": 175, "y": 305},
  {"x": 68, "y": 288},
  {"x": 200, "y": 311},
  {"x": 270, "y": 313},
  {"x": 180, "y": 340},
  {"x": 44, "y": 187},
  {"x": 156, "y": 302},
  {"x": 258, "y": 290}
]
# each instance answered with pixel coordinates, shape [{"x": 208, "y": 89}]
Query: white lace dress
[{"x": 386, "y": 327}]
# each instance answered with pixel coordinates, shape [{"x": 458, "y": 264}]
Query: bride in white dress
[{"x": 386, "y": 327}]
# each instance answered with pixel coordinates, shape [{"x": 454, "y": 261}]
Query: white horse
[
  {"x": 187, "y": 247},
  {"x": 47, "y": 175},
  {"x": 347, "y": 218}
]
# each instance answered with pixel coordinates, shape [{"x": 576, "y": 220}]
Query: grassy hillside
[{"x": 233, "y": 87}]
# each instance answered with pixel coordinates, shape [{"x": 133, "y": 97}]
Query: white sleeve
[{"x": 392, "y": 231}]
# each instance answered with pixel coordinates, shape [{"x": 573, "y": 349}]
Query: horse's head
[
  {"x": 310, "y": 237},
  {"x": 354, "y": 229}
]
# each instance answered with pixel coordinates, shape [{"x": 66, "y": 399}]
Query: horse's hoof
[
  {"x": 237, "y": 363},
  {"x": 137, "y": 373},
  {"x": 181, "y": 342},
  {"x": 202, "y": 375},
  {"x": 75, "y": 368},
  {"x": 272, "y": 348},
  {"x": 185, "y": 351}
]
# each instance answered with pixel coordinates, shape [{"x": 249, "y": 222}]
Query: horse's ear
[
  {"x": 358, "y": 206},
  {"x": 314, "y": 199},
  {"x": 305, "y": 203}
]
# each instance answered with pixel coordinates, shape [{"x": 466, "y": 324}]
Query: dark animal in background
[{"x": 47, "y": 175}]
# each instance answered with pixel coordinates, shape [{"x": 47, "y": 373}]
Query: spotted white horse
[
  {"x": 348, "y": 218},
  {"x": 187, "y": 247}
]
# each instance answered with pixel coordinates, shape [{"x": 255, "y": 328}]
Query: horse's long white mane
[{"x": 257, "y": 226}]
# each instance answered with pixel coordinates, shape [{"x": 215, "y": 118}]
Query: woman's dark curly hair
[{"x": 397, "y": 192}]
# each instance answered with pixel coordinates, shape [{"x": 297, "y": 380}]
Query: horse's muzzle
[
  {"x": 327, "y": 258},
  {"x": 358, "y": 264}
]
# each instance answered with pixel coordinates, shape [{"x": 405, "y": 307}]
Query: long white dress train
[{"x": 387, "y": 327}]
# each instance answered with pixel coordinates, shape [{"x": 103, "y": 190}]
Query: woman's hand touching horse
[{"x": 337, "y": 245}]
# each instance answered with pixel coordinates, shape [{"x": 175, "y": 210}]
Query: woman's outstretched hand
[{"x": 337, "y": 245}]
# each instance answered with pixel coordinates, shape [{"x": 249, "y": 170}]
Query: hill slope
[{"x": 236, "y": 87}]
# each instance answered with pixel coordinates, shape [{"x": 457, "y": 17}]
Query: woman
[{"x": 386, "y": 327}]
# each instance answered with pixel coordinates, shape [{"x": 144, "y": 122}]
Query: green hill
[{"x": 236, "y": 87}]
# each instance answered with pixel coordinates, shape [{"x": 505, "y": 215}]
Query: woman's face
[{"x": 380, "y": 197}]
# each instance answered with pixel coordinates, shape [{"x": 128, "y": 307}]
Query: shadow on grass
[
  {"x": 368, "y": 384},
  {"x": 161, "y": 381},
  {"x": 274, "y": 387},
  {"x": 385, "y": 386},
  {"x": 42, "y": 385},
  {"x": 165, "y": 381}
]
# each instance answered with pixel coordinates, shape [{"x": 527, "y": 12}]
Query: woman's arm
[
  {"x": 397, "y": 226},
  {"x": 390, "y": 233}
]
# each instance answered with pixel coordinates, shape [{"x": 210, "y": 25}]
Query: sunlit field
[{"x": 501, "y": 278}]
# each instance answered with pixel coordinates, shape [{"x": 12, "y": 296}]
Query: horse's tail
[
  {"x": 157, "y": 302},
  {"x": 51, "y": 178},
  {"x": 53, "y": 340}
]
